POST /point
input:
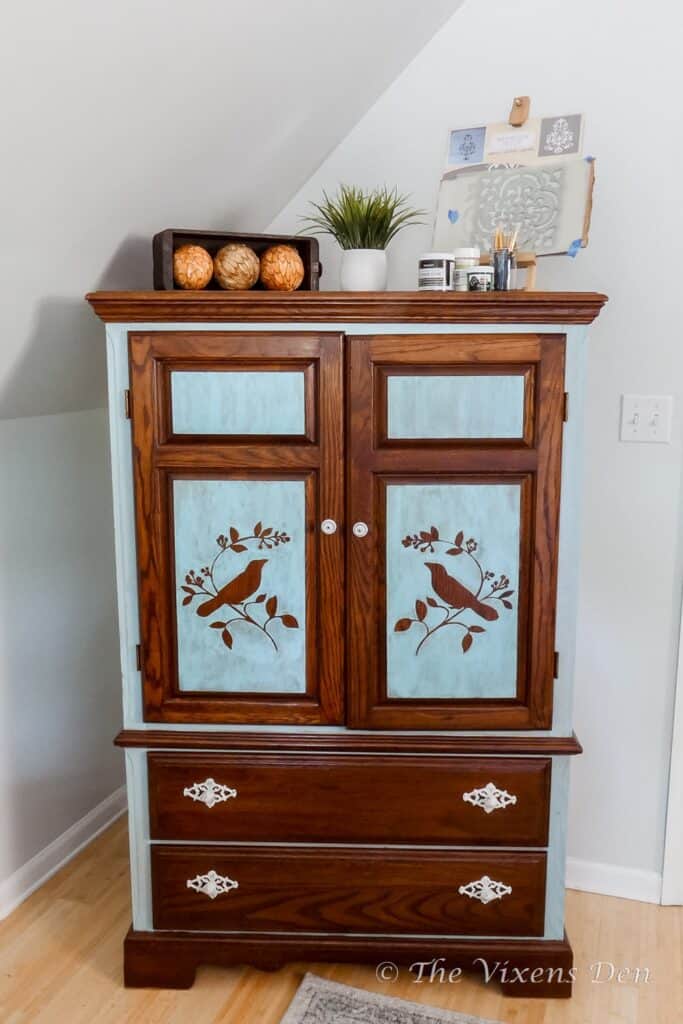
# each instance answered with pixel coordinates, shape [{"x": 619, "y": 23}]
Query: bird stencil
[
  {"x": 236, "y": 590},
  {"x": 456, "y": 595}
]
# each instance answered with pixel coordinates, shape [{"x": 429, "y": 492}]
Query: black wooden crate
[{"x": 166, "y": 242}]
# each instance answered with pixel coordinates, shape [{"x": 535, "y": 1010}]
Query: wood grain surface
[{"x": 350, "y": 798}]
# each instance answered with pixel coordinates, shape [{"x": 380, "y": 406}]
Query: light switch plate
[{"x": 646, "y": 418}]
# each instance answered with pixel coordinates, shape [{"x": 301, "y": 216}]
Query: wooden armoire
[{"x": 347, "y": 546}]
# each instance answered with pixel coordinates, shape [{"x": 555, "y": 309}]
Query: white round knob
[
  {"x": 360, "y": 529},
  {"x": 328, "y": 526}
]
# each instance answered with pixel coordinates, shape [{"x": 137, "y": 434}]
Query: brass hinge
[
  {"x": 565, "y": 406},
  {"x": 556, "y": 664},
  {"x": 138, "y": 657},
  {"x": 126, "y": 403}
]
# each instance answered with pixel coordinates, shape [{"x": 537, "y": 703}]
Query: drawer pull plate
[
  {"x": 485, "y": 890},
  {"x": 209, "y": 792},
  {"x": 489, "y": 798},
  {"x": 212, "y": 884}
]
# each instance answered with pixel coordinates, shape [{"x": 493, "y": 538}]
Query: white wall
[
  {"x": 620, "y": 63},
  {"x": 121, "y": 119},
  {"x": 60, "y": 702}
]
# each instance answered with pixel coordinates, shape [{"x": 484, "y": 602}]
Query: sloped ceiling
[{"x": 124, "y": 118}]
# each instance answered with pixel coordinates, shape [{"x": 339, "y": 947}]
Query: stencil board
[{"x": 551, "y": 201}]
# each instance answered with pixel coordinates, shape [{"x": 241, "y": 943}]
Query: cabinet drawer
[
  {"x": 348, "y": 798},
  {"x": 272, "y": 889}
]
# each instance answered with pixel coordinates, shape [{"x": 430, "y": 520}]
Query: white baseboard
[
  {"x": 30, "y": 876},
  {"x": 613, "y": 880}
]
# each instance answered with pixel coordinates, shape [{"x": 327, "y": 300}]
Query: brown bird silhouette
[
  {"x": 237, "y": 590},
  {"x": 456, "y": 595}
]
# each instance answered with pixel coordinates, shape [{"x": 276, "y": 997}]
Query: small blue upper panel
[
  {"x": 238, "y": 402},
  {"x": 455, "y": 406}
]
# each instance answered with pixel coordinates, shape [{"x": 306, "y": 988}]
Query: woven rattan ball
[
  {"x": 282, "y": 269},
  {"x": 236, "y": 267},
  {"x": 192, "y": 267}
]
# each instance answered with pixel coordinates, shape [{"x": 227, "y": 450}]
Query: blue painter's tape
[
  {"x": 453, "y": 216},
  {"x": 574, "y": 248}
]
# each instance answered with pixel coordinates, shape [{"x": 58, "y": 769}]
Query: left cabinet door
[{"x": 238, "y": 463}]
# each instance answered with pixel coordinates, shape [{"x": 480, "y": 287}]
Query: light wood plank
[{"x": 61, "y": 960}]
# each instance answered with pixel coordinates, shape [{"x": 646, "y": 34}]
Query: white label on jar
[
  {"x": 479, "y": 281},
  {"x": 434, "y": 273}
]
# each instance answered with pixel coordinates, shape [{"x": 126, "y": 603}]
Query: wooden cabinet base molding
[
  {"x": 534, "y": 969},
  {"x": 347, "y": 550}
]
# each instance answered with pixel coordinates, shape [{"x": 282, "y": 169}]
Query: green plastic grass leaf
[{"x": 362, "y": 220}]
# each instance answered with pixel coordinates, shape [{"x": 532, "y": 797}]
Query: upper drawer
[{"x": 349, "y": 798}]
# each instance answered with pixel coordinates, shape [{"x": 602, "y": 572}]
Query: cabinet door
[
  {"x": 238, "y": 453},
  {"x": 454, "y": 498}
]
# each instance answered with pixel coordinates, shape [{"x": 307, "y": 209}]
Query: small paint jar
[
  {"x": 465, "y": 258},
  {"x": 480, "y": 279},
  {"x": 435, "y": 272}
]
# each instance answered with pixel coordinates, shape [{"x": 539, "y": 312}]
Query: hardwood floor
[{"x": 60, "y": 961}]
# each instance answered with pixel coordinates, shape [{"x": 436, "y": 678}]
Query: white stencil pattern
[
  {"x": 212, "y": 884},
  {"x": 528, "y": 196},
  {"x": 489, "y": 798},
  {"x": 485, "y": 890},
  {"x": 209, "y": 792},
  {"x": 560, "y": 138}
]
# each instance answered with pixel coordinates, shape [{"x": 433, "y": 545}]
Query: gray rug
[{"x": 319, "y": 1001}]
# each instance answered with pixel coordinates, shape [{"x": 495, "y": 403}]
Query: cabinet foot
[
  {"x": 147, "y": 963},
  {"x": 530, "y": 968}
]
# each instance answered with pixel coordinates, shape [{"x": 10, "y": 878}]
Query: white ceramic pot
[{"x": 364, "y": 270}]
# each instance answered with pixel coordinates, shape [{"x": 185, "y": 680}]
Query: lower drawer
[
  {"x": 337, "y": 798},
  {"x": 348, "y": 889}
]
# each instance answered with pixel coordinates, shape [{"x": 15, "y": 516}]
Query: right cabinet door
[{"x": 455, "y": 461}]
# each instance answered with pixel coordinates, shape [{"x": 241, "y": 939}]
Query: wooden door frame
[
  {"x": 159, "y": 457},
  {"x": 372, "y": 459}
]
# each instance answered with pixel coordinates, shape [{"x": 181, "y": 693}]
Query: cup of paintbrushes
[{"x": 502, "y": 261}]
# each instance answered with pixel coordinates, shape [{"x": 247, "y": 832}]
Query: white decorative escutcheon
[
  {"x": 209, "y": 792},
  {"x": 489, "y": 798},
  {"x": 212, "y": 884},
  {"x": 485, "y": 890}
]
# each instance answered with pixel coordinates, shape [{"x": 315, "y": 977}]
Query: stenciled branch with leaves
[
  {"x": 455, "y": 598},
  {"x": 237, "y": 594}
]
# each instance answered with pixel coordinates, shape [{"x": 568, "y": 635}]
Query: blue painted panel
[
  {"x": 427, "y": 586},
  {"x": 459, "y": 405},
  {"x": 238, "y": 402},
  {"x": 239, "y": 540}
]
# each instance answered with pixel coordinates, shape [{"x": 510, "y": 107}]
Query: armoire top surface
[{"x": 517, "y": 307}]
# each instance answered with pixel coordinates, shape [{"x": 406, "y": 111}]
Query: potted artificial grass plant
[{"x": 363, "y": 223}]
